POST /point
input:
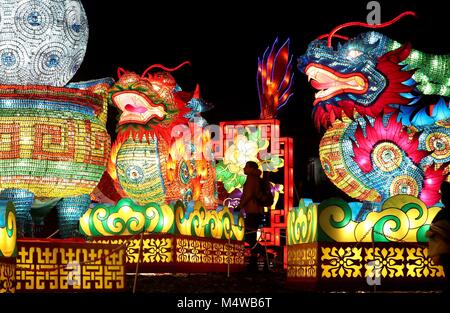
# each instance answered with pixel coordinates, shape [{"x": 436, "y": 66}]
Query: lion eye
[{"x": 354, "y": 54}]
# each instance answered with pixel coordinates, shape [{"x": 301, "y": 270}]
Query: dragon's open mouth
[
  {"x": 332, "y": 83},
  {"x": 137, "y": 107}
]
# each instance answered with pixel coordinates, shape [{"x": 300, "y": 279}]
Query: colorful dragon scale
[
  {"x": 156, "y": 156},
  {"x": 386, "y": 116}
]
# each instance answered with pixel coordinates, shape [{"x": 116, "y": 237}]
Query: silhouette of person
[
  {"x": 254, "y": 213},
  {"x": 439, "y": 235}
]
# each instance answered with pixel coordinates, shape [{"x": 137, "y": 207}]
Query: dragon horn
[
  {"x": 196, "y": 92},
  {"x": 335, "y": 35},
  {"x": 374, "y": 26},
  {"x": 164, "y": 68},
  {"x": 120, "y": 72}
]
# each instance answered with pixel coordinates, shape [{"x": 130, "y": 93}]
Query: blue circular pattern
[
  {"x": 76, "y": 28},
  {"x": 42, "y": 42},
  {"x": 194, "y": 169},
  {"x": 12, "y": 57},
  {"x": 187, "y": 196},
  {"x": 75, "y": 23},
  {"x": 34, "y": 18},
  {"x": 184, "y": 172},
  {"x": 8, "y": 59},
  {"x": 135, "y": 174},
  {"x": 52, "y": 60}
]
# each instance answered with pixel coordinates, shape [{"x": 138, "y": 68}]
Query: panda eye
[{"x": 352, "y": 54}]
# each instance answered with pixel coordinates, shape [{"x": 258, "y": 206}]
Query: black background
[{"x": 223, "y": 40}]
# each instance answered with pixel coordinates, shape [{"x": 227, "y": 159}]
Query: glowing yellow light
[
  {"x": 392, "y": 223},
  {"x": 414, "y": 54},
  {"x": 126, "y": 209},
  {"x": 8, "y": 231}
]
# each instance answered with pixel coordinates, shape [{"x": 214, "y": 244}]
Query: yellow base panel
[
  {"x": 178, "y": 253},
  {"x": 363, "y": 266},
  {"x": 7, "y": 276},
  {"x": 65, "y": 266}
]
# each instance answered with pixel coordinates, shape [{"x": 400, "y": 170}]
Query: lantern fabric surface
[
  {"x": 42, "y": 42},
  {"x": 53, "y": 145},
  {"x": 53, "y": 140}
]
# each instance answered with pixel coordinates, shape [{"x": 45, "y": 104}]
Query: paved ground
[
  {"x": 174, "y": 293},
  {"x": 215, "y": 283},
  {"x": 170, "y": 291}
]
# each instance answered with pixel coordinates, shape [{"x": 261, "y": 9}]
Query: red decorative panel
[
  {"x": 275, "y": 235},
  {"x": 271, "y": 131}
]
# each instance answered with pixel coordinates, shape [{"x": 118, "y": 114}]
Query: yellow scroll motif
[
  {"x": 128, "y": 218},
  {"x": 8, "y": 230},
  {"x": 302, "y": 223},
  {"x": 402, "y": 218},
  {"x": 208, "y": 223}
]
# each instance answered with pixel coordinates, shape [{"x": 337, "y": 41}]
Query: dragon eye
[
  {"x": 354, "y": 54},
  {"x": 135, "y": 174}
]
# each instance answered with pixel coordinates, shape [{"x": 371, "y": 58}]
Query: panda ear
[{"x": 120, "y": 72}]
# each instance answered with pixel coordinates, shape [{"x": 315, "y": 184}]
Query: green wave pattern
[
  {"x": 8, "y": 229},
  {"x": 129, "y": 218},
  {"x": 302, "y": 223}
]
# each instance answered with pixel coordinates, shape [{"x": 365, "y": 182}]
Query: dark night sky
[{"x": 223, "y": 40}]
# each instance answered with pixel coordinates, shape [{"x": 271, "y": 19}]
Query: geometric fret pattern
[
  {"x": 302, "y": 261},
  {"x": 57, "y": 266}
]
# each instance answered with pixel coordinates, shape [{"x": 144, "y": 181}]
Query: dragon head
[
  {"x": 364, "y": 76},
  {"x": 151, "y": 103}
]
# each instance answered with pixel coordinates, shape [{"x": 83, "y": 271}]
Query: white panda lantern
[{"x": 42, "y": 42}]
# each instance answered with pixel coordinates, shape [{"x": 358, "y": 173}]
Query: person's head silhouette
[
  {"x": 445, "y": 199},
  {"x": 445, "y": 194},
  {"x": 249, "y": 166}
]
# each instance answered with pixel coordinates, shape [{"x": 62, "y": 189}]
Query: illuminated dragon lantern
[
  {"x": 385, "y": 111},
  {"x": 53, "y": 139},
  {"x": 152, "y": 158}
]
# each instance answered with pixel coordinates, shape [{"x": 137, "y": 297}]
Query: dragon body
[
  {"x": 157, "y": 156},
  {"x": 385, "y": 110}
]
